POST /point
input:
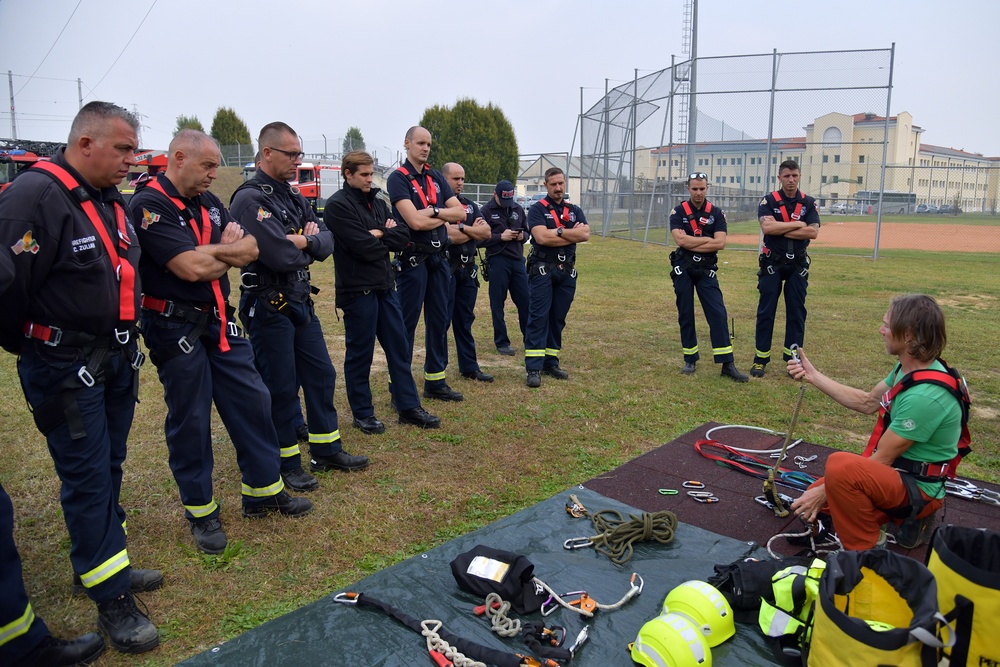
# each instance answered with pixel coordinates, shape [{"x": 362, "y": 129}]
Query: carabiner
[
  {"x": 709, "y": 499},
  {"x": 693, "y": 484},
  {"x": 668, "y": 492},
  {"x": 700, "y": 494},
  {"x": 347, "y": 598},
  {"x": 577, "y": 543},
  {"x": 636, "y": 575}
]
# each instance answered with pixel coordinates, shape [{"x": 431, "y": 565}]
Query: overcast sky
[{"x": 324, "y": 66}]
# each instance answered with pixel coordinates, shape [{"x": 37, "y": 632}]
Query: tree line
[{"x": 480, "y": 138}]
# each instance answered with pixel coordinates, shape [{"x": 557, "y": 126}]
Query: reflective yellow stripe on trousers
[
  {"x": 18, "y": 626},
  {"x": 105, "y": 570}
]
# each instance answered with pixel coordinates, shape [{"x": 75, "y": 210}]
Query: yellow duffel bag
[
  {"x": 876, "y": 608},
  {"x": 966, "y": 564}
]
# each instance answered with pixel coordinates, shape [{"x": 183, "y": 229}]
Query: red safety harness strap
[
  {"x": 117, "y": 255},
  {"x": 560, "y": 220},
  {"x": 696, "y": 224},
  {"x": 430, "y": 197},
  {"x": 945, "y": 379},
  {"x": 203, "y": 237},
  {"x": 783, "y": 206}
]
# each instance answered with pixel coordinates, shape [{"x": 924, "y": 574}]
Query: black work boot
[
  {"x": 340, "y": 461},
  {"x": 729, "y": 370},
  {"x": 442, "y": 392},
  {"x": 419, "y": 417},
  {"x": 556, "y": 372},
  {"x": 208, "y": 536},
  {"x": 282, "y": 502},
  {"x": 142, "y": 581},
  {"x": 52, "y": 652},
  {"x": 298, "y": 479},
  {"x": 757, "y": 369},
  {"x": 128, "y": 628},
  {"x": 534, "y": 379},
  {"x": 689, "y": 368}
]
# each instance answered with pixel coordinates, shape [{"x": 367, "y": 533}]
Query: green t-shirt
[{"x": 931, "y": 417}]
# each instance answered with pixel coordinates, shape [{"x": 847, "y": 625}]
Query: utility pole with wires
[{"x": 13, "y": 122}]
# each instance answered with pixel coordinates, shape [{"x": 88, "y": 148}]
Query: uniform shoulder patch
[
  {"x": 148, "y": 218},
  {"x": 262, "y": 214},
  {"x": 26, "y": 244},
  {"x": 763, "y": 202}
]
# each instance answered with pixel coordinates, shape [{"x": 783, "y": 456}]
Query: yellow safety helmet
[
  {"x": 705, "y": 607},
  {"x": 670, "y": 640}
]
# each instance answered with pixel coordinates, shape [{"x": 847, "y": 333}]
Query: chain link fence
[{"x": 828, "y": 111}]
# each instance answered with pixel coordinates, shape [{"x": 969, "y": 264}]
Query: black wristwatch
[
  {"x": 461, "y": 226},
  {"x": 436, "y": 211},
  {"x": 559, "y": 231}
]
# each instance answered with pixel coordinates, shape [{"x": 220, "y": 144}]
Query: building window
[
  {"x": 836, "y": 158},
  {"x": 836, "y": 179},
  {"x": 823, "y": 179},
  {"x": 719, "y": 162},
  {"x": 774, "y": 160},
  {"x": 826, "y": 158},
  {"x": 859, "y": 180},
  {"x": 737, "y": 179},
  {"x": 739, "y": 160},
  {"x": 861, "y": 159},
  {"x": 732, "y": 179}
]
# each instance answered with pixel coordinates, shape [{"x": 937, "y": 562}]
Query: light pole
[{"x": 324, "y": 145}]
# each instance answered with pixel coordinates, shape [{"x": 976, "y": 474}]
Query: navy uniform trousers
[
  {"x": 191, "y": 382},
  {"x": 549, "y": 299},
  {"x": 20, "y": 630},
  {"x": 372, "y": 315},
  {"x": 769, "y": 285},
  {"x": 710, "y": 296},
  {"x": 426, "y": 286},
  {"x": 462, "y": 292},
  {"x": 289, "y": 350},
  {"x": 90, "y": 468},
  {"x": 507, "y": 274}
]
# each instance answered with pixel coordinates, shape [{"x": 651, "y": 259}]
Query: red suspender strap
[
  {"x": 884, "y": 419},
  {"x": 428, "y": 199},
  {"x": 779, "y": 200},
  {"x": 696, "y": 225},
  {"x": 124, "y": 271},
  {"x": 558, "y": 219},
  {"x": 203, "y": 237}
]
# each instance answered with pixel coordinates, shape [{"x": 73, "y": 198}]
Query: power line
[
  {"x": 50, "y": 48},
  {"x": 123, "y": 48}
]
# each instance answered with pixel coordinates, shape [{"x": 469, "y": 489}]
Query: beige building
[{"x": 841, "y": 158}]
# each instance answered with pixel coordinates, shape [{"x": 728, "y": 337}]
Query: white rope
[
  {"x": 500, "y": 622},
  {"x": 808, "y": 532},
  {"x": 435, "y": 643},
  {"x": 745, "y": 450}
]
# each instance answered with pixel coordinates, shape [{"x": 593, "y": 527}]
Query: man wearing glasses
[
  {"x": 699, "y": 229},
  {"x": 422, "y": 199},
  {"x": 789, "y": 220},
  {"x": 277, "y": 307}
]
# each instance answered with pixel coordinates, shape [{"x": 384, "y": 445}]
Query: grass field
[{"x": 502, "y": 449}]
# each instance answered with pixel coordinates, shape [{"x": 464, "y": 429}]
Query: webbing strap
[
  {"x": 783, "y": 206},
  {"x": 560, "y": 220},
  {"x": 430, "y": 197},
  {"x": 124, "y": 271},
  {"x": 696, "y": 225},
  {"x": 203, "y": 237}
]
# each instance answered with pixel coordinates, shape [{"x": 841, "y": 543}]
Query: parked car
[
  {"x": 523, "y": 202},
  {"x": 927, "y": 209},
  {"x": 839, "y": 207},
  {"x": 949, "y": 209}
]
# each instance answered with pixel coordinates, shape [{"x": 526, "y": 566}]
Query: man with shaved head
[
  {"x": 464, "y": 286},
  {"x": 190, "y": 242},
  {"x": 70, "y": 316},
  {"x": 422, "y": 199}
]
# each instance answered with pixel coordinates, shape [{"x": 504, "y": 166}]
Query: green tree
[
  {"x": 479, "y": 138},
  {"x": 229, "y": 129},
  {"x": 353, "y": 140},
  {"x": 188, "y": 123}
]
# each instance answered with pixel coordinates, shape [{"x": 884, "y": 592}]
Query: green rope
[{"x": 616, "y": 535}]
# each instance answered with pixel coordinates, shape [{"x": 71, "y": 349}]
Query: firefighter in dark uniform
[
  {"x": 699, "y": 230},
  {"x": 24, "y": 637},
  {"x": 556, "y": 227},
  {"x": 789, "y": 220},
  {"x": 464, "y": 286},
  {"x": 70, "y": 314},
  {"x": 364, "y": 233},
  {"x": 189, "y": 243},
  {"x": 277, "y": 306},
  {"x": 505, "y": 261},
  {"x": 424, "y": 202}
]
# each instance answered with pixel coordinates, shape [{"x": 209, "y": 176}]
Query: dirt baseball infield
[{"x": 899, "y": 236}]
